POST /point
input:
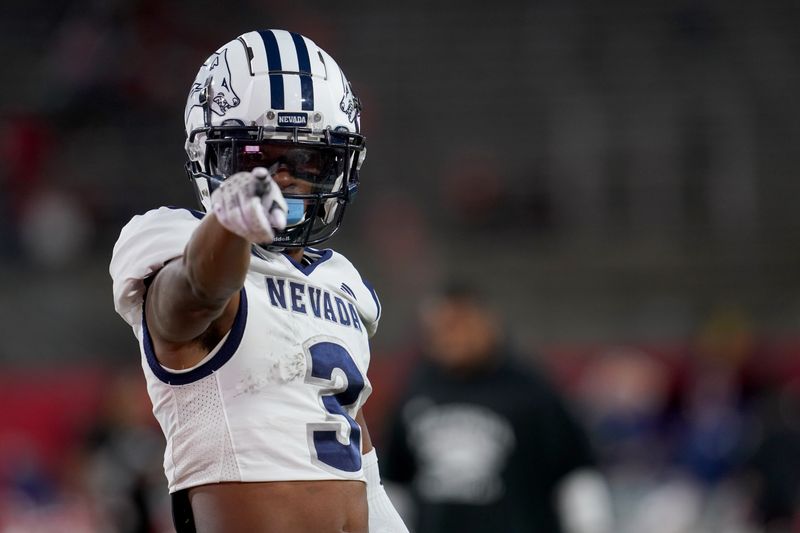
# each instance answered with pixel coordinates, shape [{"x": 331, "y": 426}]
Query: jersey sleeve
[{"x": 144, "y": 246}]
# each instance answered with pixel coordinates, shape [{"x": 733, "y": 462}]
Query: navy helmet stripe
[
  {"x": 304, "y": 64},
  {"x": 276, "y": 91},
  {"x": 274, "y": 65}
]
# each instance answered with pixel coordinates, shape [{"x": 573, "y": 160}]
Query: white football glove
[{"x": 250, "y": 205}]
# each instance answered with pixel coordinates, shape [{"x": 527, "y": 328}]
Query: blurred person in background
[
  {"x": 483, "y": 441},
  {"x": 670, "y": 428},
  {"x": 255, "y": 346},
  {"x": 625, "y": 394}
]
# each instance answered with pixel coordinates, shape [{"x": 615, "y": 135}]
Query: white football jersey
[{"x": 277, "y": 398}]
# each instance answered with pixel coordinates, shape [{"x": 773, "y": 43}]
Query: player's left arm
[{"x": 383, "y": 517}]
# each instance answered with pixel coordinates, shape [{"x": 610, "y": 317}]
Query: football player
[{"x": 255, "y": 344}]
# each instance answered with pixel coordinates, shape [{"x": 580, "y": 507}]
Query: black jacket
[{"x": 484, "y": 451}]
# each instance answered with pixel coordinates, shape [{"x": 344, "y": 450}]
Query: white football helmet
[{"x": 275, "y": 99}]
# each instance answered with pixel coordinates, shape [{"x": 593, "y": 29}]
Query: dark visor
[{"x": 318, "y": 165}]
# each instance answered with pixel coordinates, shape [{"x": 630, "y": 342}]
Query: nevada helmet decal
[{"x": 216, "y": 74}]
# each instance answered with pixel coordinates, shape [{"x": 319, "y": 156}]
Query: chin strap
[{"x": 268, "y": 248}]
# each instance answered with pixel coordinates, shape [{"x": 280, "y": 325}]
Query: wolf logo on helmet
[
  {"x": 219, "y": 80},
  {"x": 279, "y": 77},
  {"x": 349, "y": 104}
]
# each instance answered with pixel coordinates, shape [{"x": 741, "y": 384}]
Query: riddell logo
[{"x": 295, "y": 120}]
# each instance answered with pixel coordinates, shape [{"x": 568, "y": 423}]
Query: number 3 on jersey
[{"x": 327, "y": 358}]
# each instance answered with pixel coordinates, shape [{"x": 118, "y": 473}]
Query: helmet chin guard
[{"x": 275, "y": 99}]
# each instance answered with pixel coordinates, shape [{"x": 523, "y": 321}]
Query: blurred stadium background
[{"x": 620, "y": 177}]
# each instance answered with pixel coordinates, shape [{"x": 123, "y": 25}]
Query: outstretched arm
[{"x": 190, "y": 293}]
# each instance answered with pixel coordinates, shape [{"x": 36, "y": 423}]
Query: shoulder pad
[
  {"x": 145, "y": 245},
  {"x": 367, "y": 302}
]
